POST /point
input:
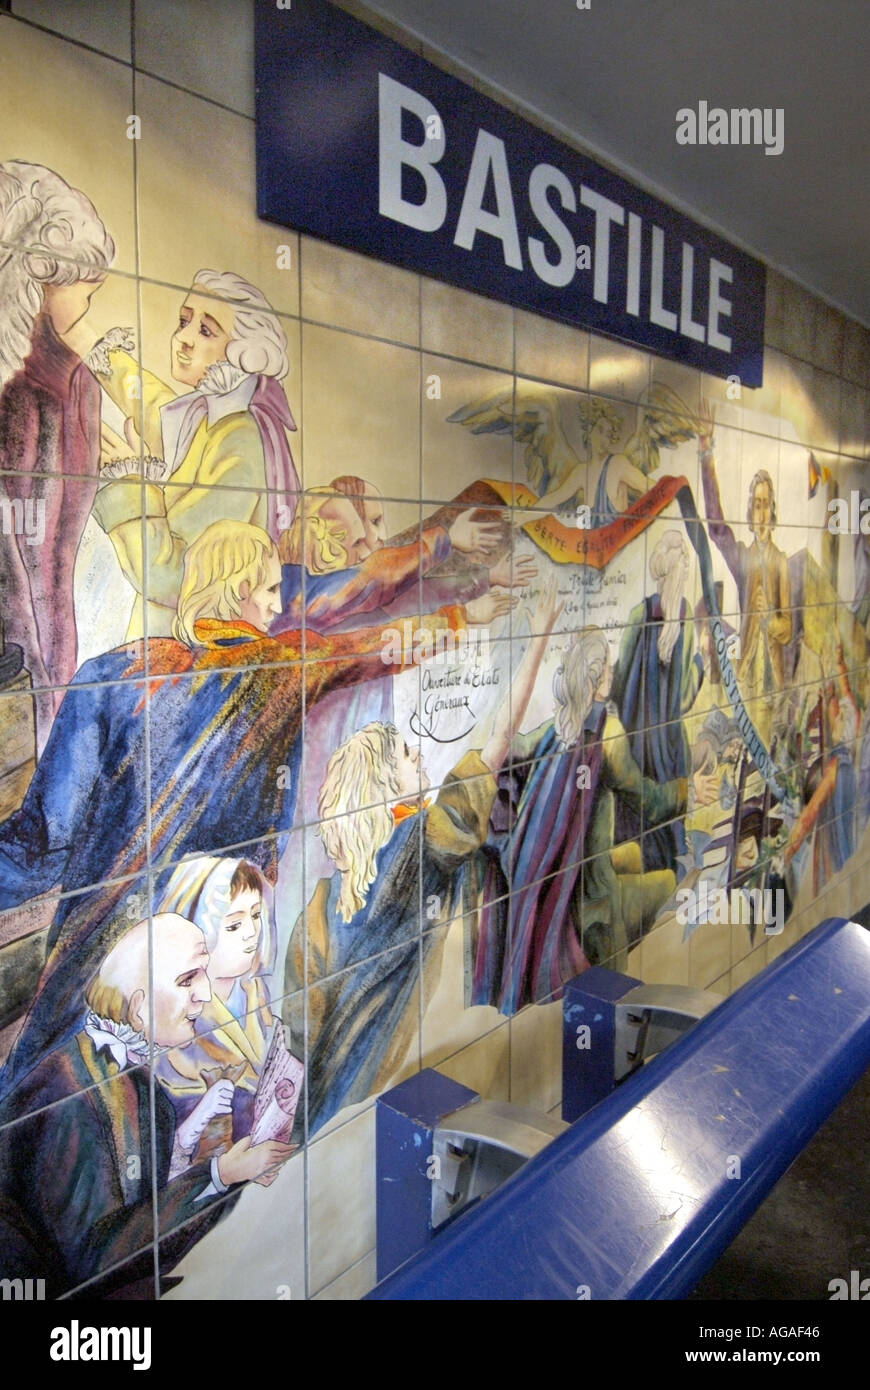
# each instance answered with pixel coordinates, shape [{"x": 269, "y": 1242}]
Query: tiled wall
[{"x": 165, "y": 752}]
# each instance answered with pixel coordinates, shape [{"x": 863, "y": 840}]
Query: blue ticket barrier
[{"x": 638, "y": 1197}]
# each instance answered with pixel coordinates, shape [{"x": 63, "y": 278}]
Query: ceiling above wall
[{"x": 613, "y": 77}]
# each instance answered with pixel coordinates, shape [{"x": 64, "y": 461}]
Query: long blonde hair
[
  {"x": 576, "y": 681},
  {"x": 356, "y": 822},
  {"x": 311, "y": 541},
  {"x": 666, "y": 569},
  {"x": 227, "y": 555},
  {"x": 53, "y": 236}
]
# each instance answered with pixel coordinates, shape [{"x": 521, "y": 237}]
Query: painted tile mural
[{"x": 373, "y": 659}]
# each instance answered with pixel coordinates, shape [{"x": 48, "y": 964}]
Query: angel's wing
[
  {"x": 533, "y": 418},
  {"x": 663, "y": 421}
]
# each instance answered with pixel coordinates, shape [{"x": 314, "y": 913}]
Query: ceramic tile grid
[{"x": 307, "y": 694}]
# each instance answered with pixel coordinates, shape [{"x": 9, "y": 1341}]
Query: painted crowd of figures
[{"x": 174, "y": 799}]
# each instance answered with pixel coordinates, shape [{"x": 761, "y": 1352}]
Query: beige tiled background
[{"x": 365, "y": 339}]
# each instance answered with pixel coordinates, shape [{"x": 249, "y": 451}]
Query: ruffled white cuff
[{"x": 117, "y": 339}]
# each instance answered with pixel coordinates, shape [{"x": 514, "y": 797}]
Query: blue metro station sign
[{"x": 364, "y": 144}]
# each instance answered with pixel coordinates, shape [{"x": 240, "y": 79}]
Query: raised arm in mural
[
  {"x": 580, "y": 897},
  {"x": 760, "y": 571},
  {"x": 477, "y": 560},
  {"x": 230, "y": 429},
  {"x": 222, "y": 701},
  {"x": 330, "y": 574},
  {"x": 54, "y": 255},
  {"x": 363, "y": 921},
  {"x": 73, "y": 1205}
]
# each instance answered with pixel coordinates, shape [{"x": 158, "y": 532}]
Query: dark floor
[{"x": 815, "y": 1225}]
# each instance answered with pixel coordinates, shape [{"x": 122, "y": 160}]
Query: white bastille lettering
[{"x": 488, "y": 209}]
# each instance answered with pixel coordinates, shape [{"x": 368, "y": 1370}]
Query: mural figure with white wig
[
  {"x": 579, "y": 897},
  {"x": 229, "y": 429},
  {"x": 73, "y": 1207},
  {"x": 54, "y": 256}
]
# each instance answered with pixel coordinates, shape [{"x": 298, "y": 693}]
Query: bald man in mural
[{"x": 76, "y": 1178}]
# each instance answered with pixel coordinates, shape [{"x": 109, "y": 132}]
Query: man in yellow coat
[{"x": 217, "y": 453}]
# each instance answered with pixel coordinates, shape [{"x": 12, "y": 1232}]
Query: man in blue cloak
[
  {"x": 655, "y": 684},
  {"x": 218, "y": 712}
]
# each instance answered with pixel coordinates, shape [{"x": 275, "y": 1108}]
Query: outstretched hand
[
  {"x": 470, "y": 535},
  {"x": 480, "y": 612},
  {"x": 546, "y": 610},
  {"x": 513, "y": 573}
]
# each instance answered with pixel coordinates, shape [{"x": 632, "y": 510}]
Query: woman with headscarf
[{"x": 230, "y": 900}]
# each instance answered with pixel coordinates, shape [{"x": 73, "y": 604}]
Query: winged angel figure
[{"x": 606, "y": 481}]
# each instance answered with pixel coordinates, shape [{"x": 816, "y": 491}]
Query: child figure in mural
[
  {"x": 231, "y": 902},
  {"x": 229, "y": 429},
  {"x": 77, "y": 1179},
  {"x": 54, "y": 256},
  {"x": 222, "y": 700},
  {"x": 579, "y": 897},
  {"x": 391, "y": 849}
]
